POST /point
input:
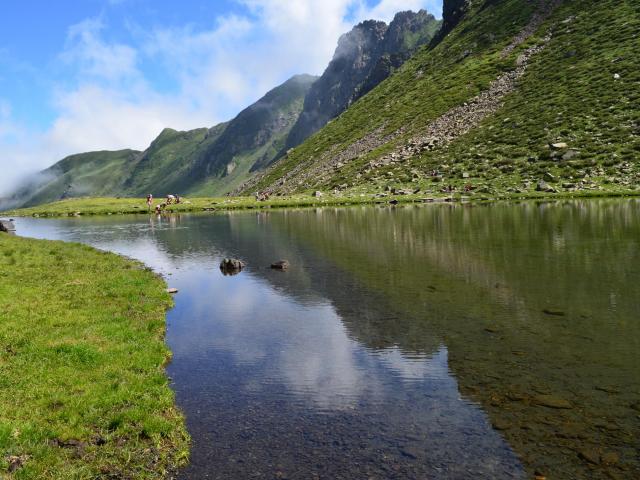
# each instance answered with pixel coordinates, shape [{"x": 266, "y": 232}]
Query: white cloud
[{"x": 114, "y": 103}]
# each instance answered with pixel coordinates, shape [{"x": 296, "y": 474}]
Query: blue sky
[{"x": 81, "y": 75}]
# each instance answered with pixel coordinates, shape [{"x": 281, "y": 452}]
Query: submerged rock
[
  {"x": 172, "y": 290},
  {"x": 231, "y": 266},
  {"x": 589, "y": 455},
  {"x": 551, "y": 401},
  {"x": 280, "y": 265}
]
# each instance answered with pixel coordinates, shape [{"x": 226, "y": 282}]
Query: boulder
[
  {"x": 559, "y": 146},
  {"x": 543, "y": 186},
  {"x": 172, "y": 290},
  {"x": 280, "y": 265},
  {"x": 570, "y": 155},
  {"x": 231, "y": 266},
  {"x": 7, "y": 226}
]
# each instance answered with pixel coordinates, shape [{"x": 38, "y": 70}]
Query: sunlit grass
[{"x": 83, "y": 391}]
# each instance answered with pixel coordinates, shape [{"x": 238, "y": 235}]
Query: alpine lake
[{"x": 443, "y": 341}]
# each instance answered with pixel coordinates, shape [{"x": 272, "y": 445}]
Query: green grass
[
  {"x": 83, "y": 392},
  {"x": 120, "y": 206}
]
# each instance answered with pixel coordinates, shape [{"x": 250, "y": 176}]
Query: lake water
[{"x": 439, "y": 341}]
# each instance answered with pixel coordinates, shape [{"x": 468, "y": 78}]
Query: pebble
[
  {"x": 552, "y": 401},
  {"x": 590, "y": 455}
]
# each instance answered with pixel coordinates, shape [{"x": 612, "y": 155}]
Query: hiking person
[{"x": 149, "y": 201}]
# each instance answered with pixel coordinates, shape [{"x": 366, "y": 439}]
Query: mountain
[
  {"x": 251, "y": 140},
  {"x": 513, "y": 96},
  {"x": 215, "y": 161},
  {"x": 365, "y": 56},
  {"x": 93, "y": 173},
  {"x": 201, "y": 161}
]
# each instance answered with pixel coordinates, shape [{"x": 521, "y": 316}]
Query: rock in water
[
  {"x": 280, "y": 265},
  {"x": 172, "y": 290},
  {"x": 231, "y": 266},
  {"x": 7, "y": 226}
]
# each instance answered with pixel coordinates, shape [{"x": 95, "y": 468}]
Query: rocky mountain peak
[{"x": 364, "y": 57}]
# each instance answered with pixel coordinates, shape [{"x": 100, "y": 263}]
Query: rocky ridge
[
  {"x": 365, "y": 56},
  {"x": 442, "y": 131}
]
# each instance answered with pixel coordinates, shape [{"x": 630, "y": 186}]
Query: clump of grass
[{"x": 83, "y": 392}]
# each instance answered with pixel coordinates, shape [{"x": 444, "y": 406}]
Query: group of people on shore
[{"x": 170, "y": 200}]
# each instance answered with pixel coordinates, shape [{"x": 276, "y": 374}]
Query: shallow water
[{"x": 441, "y": 341}]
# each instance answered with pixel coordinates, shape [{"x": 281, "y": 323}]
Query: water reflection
[{"x": 352, "y": 363}]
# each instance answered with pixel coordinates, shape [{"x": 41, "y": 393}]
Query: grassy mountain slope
[
  {"x": 168, "y": 158},
  {"x": 95, "y": 173},
  {"x": 250, "y": 141},
  {"x": 568, "y": 94},
  {"x": 203, "y": 161}
]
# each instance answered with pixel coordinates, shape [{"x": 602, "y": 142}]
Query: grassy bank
[
  {"x": 83, "y": 392},
  {"x": 118, "y": 206}
]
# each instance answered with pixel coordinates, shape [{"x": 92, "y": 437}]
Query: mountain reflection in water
[{"x": 429, "y": 342}]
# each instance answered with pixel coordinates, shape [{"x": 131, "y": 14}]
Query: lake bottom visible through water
[{"x": 444, "y": 341}]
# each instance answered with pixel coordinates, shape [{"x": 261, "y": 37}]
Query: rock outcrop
[{"x": 365, "y": 56}]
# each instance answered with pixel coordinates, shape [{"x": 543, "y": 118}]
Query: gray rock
[
  {"x": 231, "y": 266},
  {"x": 548, "y": 177},
  {"x": 280, "y": 265},
  {"x": 559, "y": 146},
  {"x": 7, "y": 226},
  {"x": 465, "y": 175},
  {"x": 317, "y": 194},
  {"x": 571, "y": 154}
]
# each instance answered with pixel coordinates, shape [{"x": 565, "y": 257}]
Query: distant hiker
[
  {"x": 170, "y": 199},
  {"x": 158, "y": 209},
  {"x": 177, "y": 199},
  {"x": 149, "y": 201}
]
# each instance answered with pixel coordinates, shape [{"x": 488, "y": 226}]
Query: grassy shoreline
[
  {"x": 121, "y": 206},
  {"x": 83, "y": 391}
]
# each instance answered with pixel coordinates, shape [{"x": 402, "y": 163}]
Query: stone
[
  {"x": 543, "y": 186},
  {"x": 570, "y": 154},
  {"x": 589, "y": 455},
  {"x": 548, "y": 177},
  {"x": 559, "y": 146},
  {"x": 172, "y": 290},
  {"x": 551, "y": 401},
  {"x": 610, "y": 458},
  {"x": 616, "y": 76},
  {"x": 7, "y": 226},
  {"x": 500, "y": 424},
  {"x": 317, "y": 194},
  {"x": 231, "y": 266},
  {"x": 280, "y": 265},
  {"x": 465, "y": 175}
]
